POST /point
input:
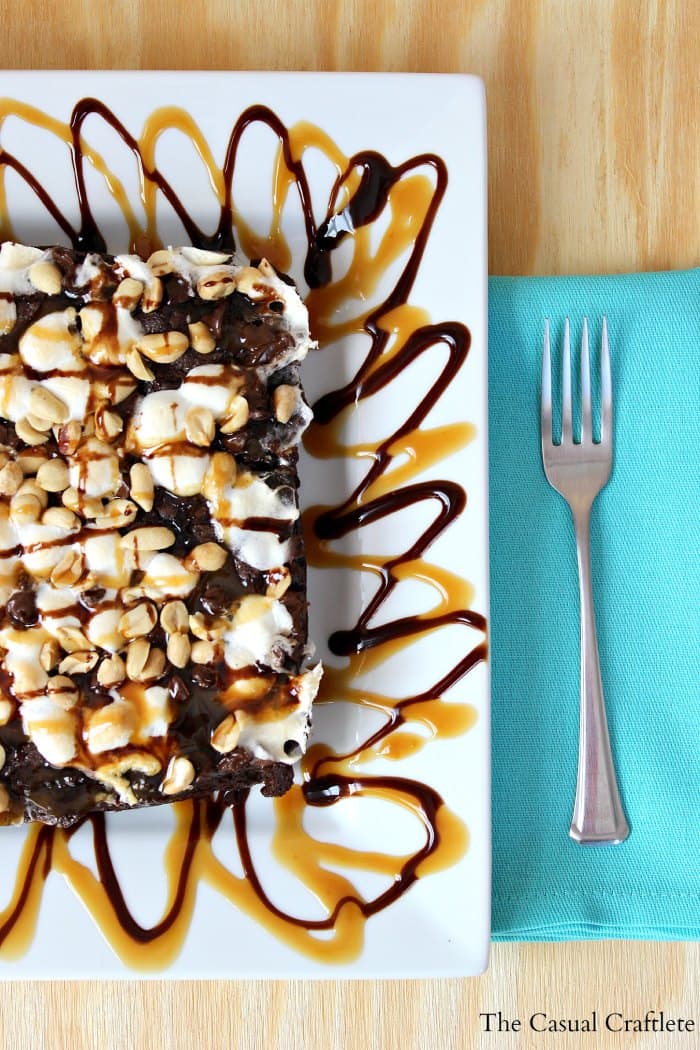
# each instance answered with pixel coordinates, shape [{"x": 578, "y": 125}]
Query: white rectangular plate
[{"x": 440, "y": 925}]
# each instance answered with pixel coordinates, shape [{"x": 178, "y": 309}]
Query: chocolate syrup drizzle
[{"x": 327, "y": 777}]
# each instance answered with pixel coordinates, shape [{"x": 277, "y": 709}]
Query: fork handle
[{"x": 598, "y": 817}]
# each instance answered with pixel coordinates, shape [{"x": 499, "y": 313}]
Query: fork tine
[
  {"x": 546, "y": 409},
  {"x": 566, "y": 387},
  {"x": 606, "y": 431},
  {"x": 586, "y": 425}
]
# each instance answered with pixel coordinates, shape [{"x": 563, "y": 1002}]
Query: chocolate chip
[
  {"x": 203, "y": 532},
  {"x": 166, "y": 504},
  {"x": 250, "y": 578},
  {"x": 205, "y": 677},
  {"x": 178, "y": 690},
  {"x": 202, "y": 525},
  {"x": 177, "y": 290},
  {"x": 190, "y": 516},
  {"x": 214, "y": 599},
  {"x": 22, "y": 610},
  {"x": 216, "y": 319},
  {"x": 233, "y": 443},
  {"x": 8, "y": 435},
  {"x": 91, "y": 598},
  {"x": 96, "y": 695},
  {"x": 158, "y": 637}
]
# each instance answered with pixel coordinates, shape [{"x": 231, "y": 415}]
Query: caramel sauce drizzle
[{"x": 399, "y": 333}]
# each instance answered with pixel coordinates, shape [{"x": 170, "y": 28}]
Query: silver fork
[{"x": 578, "y": 471}]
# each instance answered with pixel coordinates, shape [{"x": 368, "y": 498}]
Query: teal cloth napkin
[{"x": 646, "y": 578}]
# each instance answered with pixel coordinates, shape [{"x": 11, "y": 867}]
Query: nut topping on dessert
[{"x": 152, "y": 582}]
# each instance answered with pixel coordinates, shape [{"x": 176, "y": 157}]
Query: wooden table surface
[{"x": 594, "y": 109}]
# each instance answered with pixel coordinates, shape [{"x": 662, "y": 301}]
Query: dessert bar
[{"x": 153, "y": 612}]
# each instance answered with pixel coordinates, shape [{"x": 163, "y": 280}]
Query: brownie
[{"x": 153, "y": 611}]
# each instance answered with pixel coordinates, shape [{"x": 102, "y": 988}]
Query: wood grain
[
  {"x": 566, "y": 981},
  {"x": 594, "y": 166}
]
